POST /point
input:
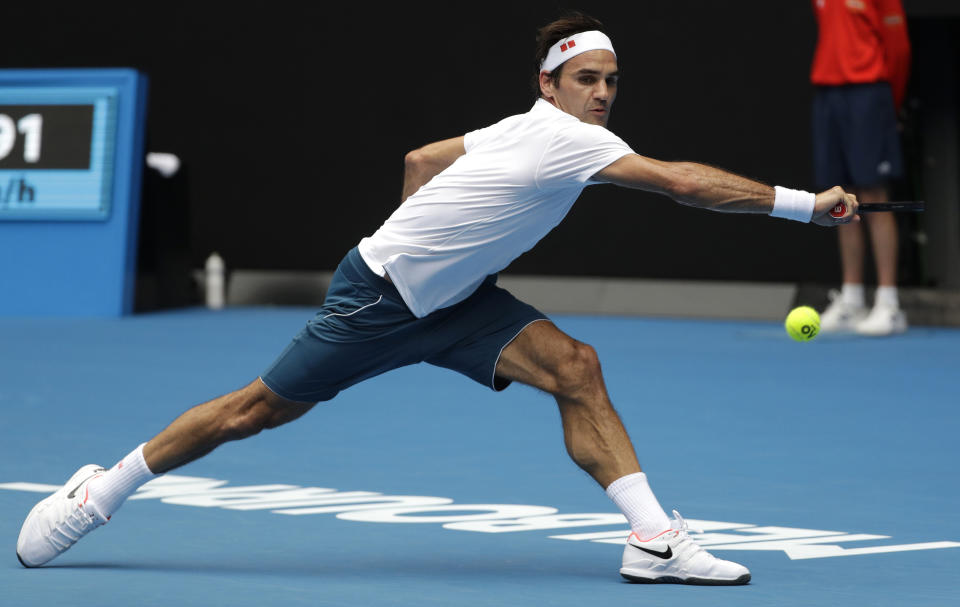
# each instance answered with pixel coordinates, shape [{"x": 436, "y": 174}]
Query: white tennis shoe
[
  {"x": 674, "y": 558},
  {"x": 57, "y": 522},
  {"x": 841, "y": 316},
  {"x": 882, "y": 320}
]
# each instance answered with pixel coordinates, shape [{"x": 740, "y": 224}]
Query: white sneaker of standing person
[
  {"x": 842, "y": 314},
  {"x": 882, "y": 320},
  {"x": 674, "y": 558},
  {"x": 57, "y": 522}
]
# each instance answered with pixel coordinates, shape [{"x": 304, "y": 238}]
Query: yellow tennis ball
[{"x": 802, "y": 323}]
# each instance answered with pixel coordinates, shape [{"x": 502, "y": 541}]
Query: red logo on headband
[{"x": 565, "y": 46}]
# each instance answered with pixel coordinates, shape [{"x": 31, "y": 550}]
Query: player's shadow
[{"x": 426, "y": 567}]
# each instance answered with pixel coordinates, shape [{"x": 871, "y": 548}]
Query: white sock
[
  {"x": 852, "y": 294},
  {"x": 110, "y": 490},
  {"x": 632, "y": 494},
  {"x": 887, "y": 296}
]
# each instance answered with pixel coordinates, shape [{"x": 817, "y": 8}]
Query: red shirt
[{"x": 862, "y": 41}]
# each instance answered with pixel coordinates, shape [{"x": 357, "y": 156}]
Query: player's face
[{"x": 587, "y": 87}]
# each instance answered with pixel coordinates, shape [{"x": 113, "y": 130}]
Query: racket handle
[{"x": 839, "y": 210}]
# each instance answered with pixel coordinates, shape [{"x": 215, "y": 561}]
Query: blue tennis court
[{"x": 828, "y": 468}]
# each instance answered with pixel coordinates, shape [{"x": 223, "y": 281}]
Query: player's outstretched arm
[
  {"x": 710, "y": 188},
  {"x": 423, "y": 164}
]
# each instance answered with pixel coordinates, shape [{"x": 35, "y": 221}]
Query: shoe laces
[
  {"x": 682, "y": 524},
  {"x": 686, "y": 544},
  {"x": 73, "y": 527}
]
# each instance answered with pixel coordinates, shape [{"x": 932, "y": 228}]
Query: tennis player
[{"x": 422, "y": 288}]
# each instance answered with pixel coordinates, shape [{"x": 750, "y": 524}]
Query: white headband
[{"x": 568, "y": 48}]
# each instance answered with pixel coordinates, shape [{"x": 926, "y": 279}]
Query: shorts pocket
[{"x": 354, "y": 312}]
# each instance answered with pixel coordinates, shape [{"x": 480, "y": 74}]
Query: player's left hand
[{"x": 834, "y": 207}]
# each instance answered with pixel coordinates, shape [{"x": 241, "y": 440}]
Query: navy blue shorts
[
  {"x": 855, "y": 138},
  {"x": 364, "y": 329}
]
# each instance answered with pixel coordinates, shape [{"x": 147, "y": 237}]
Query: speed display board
[
  {"x": 71, "y": 161},
  {"x": 56, "y": 152}
]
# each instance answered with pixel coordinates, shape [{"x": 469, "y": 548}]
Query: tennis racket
[{"x": 880, "y": 207}]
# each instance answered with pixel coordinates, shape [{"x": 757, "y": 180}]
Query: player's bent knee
[{"x": 580, "y": 372}]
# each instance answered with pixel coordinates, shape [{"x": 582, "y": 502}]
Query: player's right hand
[{"x": 834, "y": 207}]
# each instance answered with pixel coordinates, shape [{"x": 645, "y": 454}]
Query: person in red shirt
[{"x": 860, "y": 70}]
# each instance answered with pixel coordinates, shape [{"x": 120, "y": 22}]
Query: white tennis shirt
[{"x": 517, "y": 180}]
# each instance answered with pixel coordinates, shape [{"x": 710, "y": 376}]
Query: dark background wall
[{"x": 292, "y": 120}]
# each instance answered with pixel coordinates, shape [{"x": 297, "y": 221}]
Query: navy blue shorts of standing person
[
  {"x": 855, "y": 138},
  {"x": 365, "y": 329}
]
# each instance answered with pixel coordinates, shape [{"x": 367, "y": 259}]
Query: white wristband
[{"x": 793, "y": 204}]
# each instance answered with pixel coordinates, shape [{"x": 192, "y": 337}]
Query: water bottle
[{"x": 215, "y": 282}]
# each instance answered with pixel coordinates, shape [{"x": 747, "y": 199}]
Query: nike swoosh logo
[
  {"x": 74, "y": 492},
  {"x": 666, "y": 554}
]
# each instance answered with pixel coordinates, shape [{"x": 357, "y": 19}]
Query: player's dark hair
[{"x": 569, "y": 24}]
